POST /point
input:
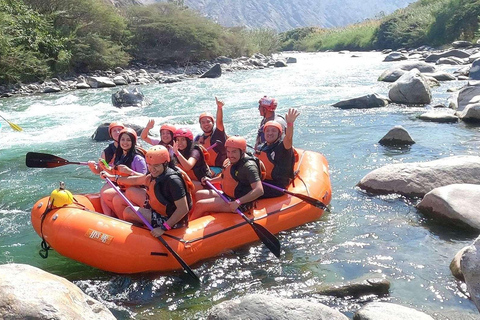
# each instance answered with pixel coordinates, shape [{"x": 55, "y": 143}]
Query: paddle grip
[{"x": 105, "y": 164}]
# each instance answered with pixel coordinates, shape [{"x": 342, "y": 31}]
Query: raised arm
[
  {"x": 145, "y": 131},
  {"x": 219, "y": 121},
  {"x": 290, "y": 117}
]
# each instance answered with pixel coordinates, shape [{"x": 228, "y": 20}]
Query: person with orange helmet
[
  {"x": 165, "y": 201},
  {"x": 190, "y": 157},
  {"x": 240, "y": 179},
  {"x": 166, "y": 136},
  {"x": 277, "y": 154},
  {"x": 267, "y": 107},
  {"x": 114, "y": 129},
  {"x": 213, "y": 133}
]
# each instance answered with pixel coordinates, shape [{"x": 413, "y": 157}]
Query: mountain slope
[{"x": 283, "y": 15}]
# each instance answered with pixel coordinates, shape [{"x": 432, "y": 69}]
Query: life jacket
[
  {"x": 231, "y": 184},
  {"x": 157, "y": 200},
  {"x": 217, "y": 154},
  {"x": 201, "y": 168},
  {"x": 278, "y": 169},
  {"x": 110, "y": 153},
  {"x": 127, "y": 161}
]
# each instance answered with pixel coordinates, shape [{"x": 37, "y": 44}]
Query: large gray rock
[
  {"x": 266, "y": 307},
  {"x": 27, "y": 292},
  {"x": 364, "y": 102},
  {"x": 418, "y": 178},
  {"x": 411, "y": 88},
  {"x": 357, "y": 288},
  {"x": 389, "y": 311},
  {"x": 391, "y": 75},
  {"x": 470, "y": 265},
  {"x": 461, "y": 44},
  {"x": 101, "y": 133},
  {"x": 397, "y": 136},
  {"x": 214, "y": 72},
  {"x": 469, "y": 94},
  {"x": 420, "y": 65},
  {"x": 450, "y": 53},
  {"x": 474, "y": 73},
  {"x": 455, "y": 266},
  {"x": 441, "y": 117},
  {"x": 451, "y": 61},
  {"x": 456, "y": 202},
  {"x": 100, "y": 82},
  {"x": 471, "y": 113},
  {"x": 440, "y": 76},
  {"x": 129, "y": 97},
  {"x": 395, "y": 56}
]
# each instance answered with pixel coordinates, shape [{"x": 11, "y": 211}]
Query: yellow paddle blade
[{"x": 14, "y": 126}]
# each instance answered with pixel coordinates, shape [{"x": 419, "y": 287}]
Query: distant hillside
[{"x": 289, "y": 14}]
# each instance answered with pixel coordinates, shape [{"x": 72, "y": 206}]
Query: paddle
[
  {"x": 45, "y": 160},
  {"x": 263, "y": 234},
  {"x": 14, "y": 126},
  {"x": 307, "y": 199},
  {"x": 175, "y": 255}
]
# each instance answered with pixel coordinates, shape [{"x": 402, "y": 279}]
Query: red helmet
[
  {"x": 184, "y": 132},
  {"x": 274, "y": 124},
  {"x": 157, "y": 155},
  {"x": 169, "y": 127},
  {"x": 236, "y": 142},
  {"x": 113, "y": 125},
  {"x": 206, "y": 115},
  {"x": 132, "y": 133},
  {"x": 269, "y": 103}
]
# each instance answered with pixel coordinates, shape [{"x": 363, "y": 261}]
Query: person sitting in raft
[
  {"x": 190, "y": 157},
  {"x": 267, "y": 107},
  {"x": 128, "y": 161},
  {"x": 277, "y": 154},
  {"x": 240, "y": 179},
  {"x": 213, "y": 134},
  {"x": 107, "y": 154},
  {"x": 166, "y": 136},
  {"x": 166, "y": 200}
]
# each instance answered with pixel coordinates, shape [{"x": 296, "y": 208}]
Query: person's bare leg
[
  {"x": 105, "y": 208},
  {"x": 214, "y": 204},
  {"x": 135, "y": 195}
]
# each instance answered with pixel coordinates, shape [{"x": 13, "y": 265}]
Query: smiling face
[
  {"x": 166, "y": 136},
  {"x": 155, "y": 169},
  {"x": 206, "y": 124},
  {"x": 182, "y": 143},
  {"x": 115, "y": 132},
  {"x": 125, "y": 142},
  {"x": 271, "y": 134},
  {"x": 233, "y": 154}
]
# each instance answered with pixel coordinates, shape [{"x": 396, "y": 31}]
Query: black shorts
[{"x": 157, "y": 220}]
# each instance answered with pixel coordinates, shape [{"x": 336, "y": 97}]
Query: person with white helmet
[
  {"x": 165, "y": 201},
  {"x": 267, "y": 107},
  {"x": 240, "y": 179}
]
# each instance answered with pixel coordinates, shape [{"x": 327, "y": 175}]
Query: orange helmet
[
  {"x": 132, "y": 133},
  {"x": 113, "y": 125},
  {"x": 236, "y": 142},
  {"x": 184, "y": 132},
  {"x": 206, "y": 115},
  {"x": 169, "y": 127},
  {"x": 269, "y": 103},
  {"x": 274, "y": 124},
  {"x": 157, "y": 155}
]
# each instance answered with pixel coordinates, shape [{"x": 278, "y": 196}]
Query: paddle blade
[
  {"x": 310, "y": 200},
  {"x": 14, "y": 126},
  {"x": 268, "y": 239},
  {"x": 43, "y": 160},
  {"x": 185, "y": 266}
]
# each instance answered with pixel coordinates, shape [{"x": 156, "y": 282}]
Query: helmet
[
  {"x": 113, "y": 125},
  {"x": 157, "y": 155},
  {"x": 269, "y": 103},
  {"x": 132, "y": 133},
  {"x": 272, "y": 123},
  {"x": 169, "y": 127},
  {"x": 61, "y": 197},
  {"x": 184, "y": 132},
  {"x": 236, "y": 142},
  {"x": 206, "y": 115}
]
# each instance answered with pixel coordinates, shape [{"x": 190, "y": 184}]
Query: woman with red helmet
[
  {"x": 166, "y": 134},
  {"x": 213, "y": 134},
  {"x": 267, "y": 107},
  {"x": 107, "y": 154},
  {"x": 240, "y": 179},
  {"x": 190, "y": 157},
  {"x": 278, "y": 155}
]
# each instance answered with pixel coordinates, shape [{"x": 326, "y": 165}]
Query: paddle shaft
[
  {"x": 305, "y": 198},
  {"x": 269, "y": 239},
  {"x": 14, "y": 126},
  {"x": 149, "y": 226}
]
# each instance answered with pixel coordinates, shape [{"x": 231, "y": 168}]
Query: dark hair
[
  {"x": 171, "y": 141},
  {"x": 188, "y": 150},
  {"x": 126, "y": 159}
]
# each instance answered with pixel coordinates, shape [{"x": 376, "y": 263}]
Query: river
[{"x": 363, "y": 235}]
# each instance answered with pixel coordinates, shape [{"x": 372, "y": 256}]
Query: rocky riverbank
[{"x": 142, "y": 74}]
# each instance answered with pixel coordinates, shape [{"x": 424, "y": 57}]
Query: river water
[{"x": 362, "y": 236}]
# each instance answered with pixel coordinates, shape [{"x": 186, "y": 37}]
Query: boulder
[
  {"x": 450, "y": 53},
  {"x": 364, "y": 102},
  {"x": 455, "y": 266},
  {"x": 395, "y": 56},
  {"x": 440, "y": 76},
  {"x": 266, "y": 307},
  {"x": 51, "y": 89},
  {"x": 280, "y": 64},
  {"x": 450, "y": 60},
  {"x": 214, "y": 72},
  {"x": 469, "y": 94},
  {"x": 474, "y": 57},
  {"x": 474, "y": 72},
  {"x": 418, "y": 178},
  {"x": 461, "y": 44},
  {"x": 101, "y": 133},
  {"x": 100, "y": 82},
  {"x": 390, "y": 311},
  {"x": 420, "y": 65},
  {"x": 397, "y": 136},
  {"x": 291, "y": 60},
  {"x": 470, "y": 266},
  {"x": 391, "y": 75},
  {"x": 27, "y": 292},
  {"x": 357, "y": 288},
  {"x": 128, "y": 97},
  {"x": 470, "y": 113},
  {"x": 457, "y": 202},
  {"x": 120, "y": 81},
  {"x": 411, "y": 88},
  {"x": 82, "y": 85},
  {"x": 440, "y": 117}
]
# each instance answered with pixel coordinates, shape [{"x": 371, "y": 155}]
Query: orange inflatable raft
[{"x": 80, "y": 232}]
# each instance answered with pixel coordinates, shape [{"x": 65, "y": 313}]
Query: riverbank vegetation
[
  {"x": 44, "y": 38},
  {"x": 425, "y": 22}
]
